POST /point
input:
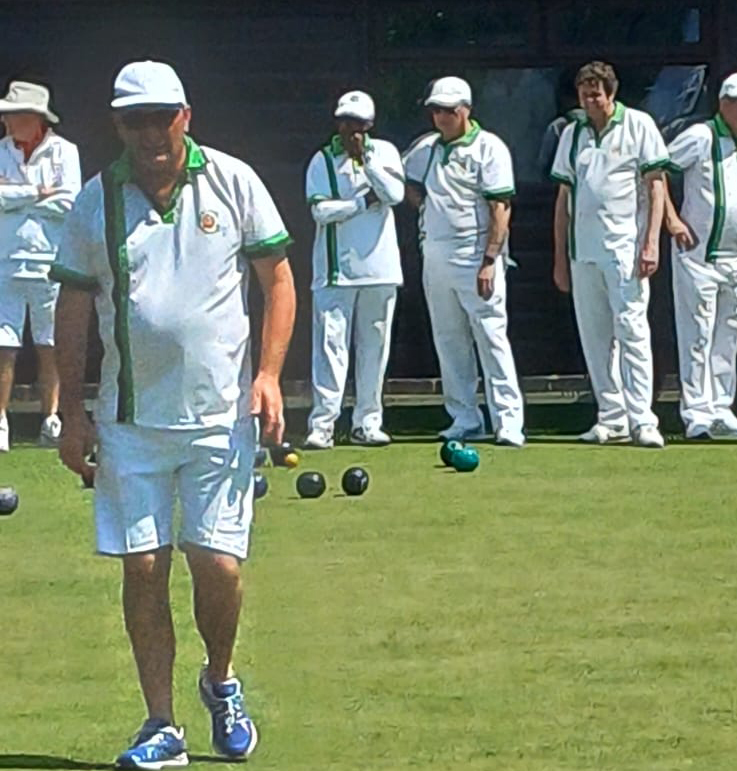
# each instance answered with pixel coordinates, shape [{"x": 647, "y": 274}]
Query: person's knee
[
  {"x": 147, "y": 570},
  {"x": 206, "y": 563}
]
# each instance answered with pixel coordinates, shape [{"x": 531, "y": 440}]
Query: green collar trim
[
  {"x": 466, "y": 139},
  {"x": 336, "y": 144},
  {"x": 122, "y": 168},
  {"x": 723, "y": 130},
  {"x": 617, "y": 117}
]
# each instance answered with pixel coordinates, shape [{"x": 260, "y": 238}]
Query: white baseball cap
[
  {"x": 729, "y": 87},
  {"x": 449, "y": 92},
  {"x": 28, "y": 97},
  {"x": 148, "y": 83},
  {"x": 355, "y": 104}
]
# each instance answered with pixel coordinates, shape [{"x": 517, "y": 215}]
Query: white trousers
[
  {"x": 611, "y": 311},
  {"x": 366, "y": 313},
  {"x": 460, "y": 319},
  {"x": 706, "y": 324}
]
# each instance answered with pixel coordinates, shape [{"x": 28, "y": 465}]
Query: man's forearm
[
  {"x": 73, "y": 310},
  {"x": 500, "y": 214},
  {"x": 656, "y": 196},
  {"x": 560, "y": 229},
  {"x": 279, "y": 309}
]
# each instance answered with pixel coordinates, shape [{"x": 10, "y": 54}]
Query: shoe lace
[{"x": 230, "y": 709}]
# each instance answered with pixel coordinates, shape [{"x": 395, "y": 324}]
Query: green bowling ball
[
  {"x": 447, "y": 450},
  {"x": 465, "y": 459}
]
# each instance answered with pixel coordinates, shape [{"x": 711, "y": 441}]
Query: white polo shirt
[
  {"x": 171, "y": 289},
  {"x": 355, "y": 245},
  {"x": 706, "y": 155},
  {"x": 459, "y": 178},
  {"x": 30, "y": 226},
  {"x": 609, "y": 204}
]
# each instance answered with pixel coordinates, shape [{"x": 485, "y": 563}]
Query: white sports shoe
[
  {"x": 461, "y": 433},
  {"x": 4, "y": 434},
  {"x": 319, "y": 439},
  {"x": 506, "y": 437},
  {"x": 601, "y": 434},
  {"x": 371, "y": 437},
  {"x": 720, "y": 429},
  {"x": 50, "y": 431},
  {"x": 648, "y": 436}
]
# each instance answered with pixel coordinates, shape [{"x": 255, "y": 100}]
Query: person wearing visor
[
  {"x": 162, "y": 243},
  {"x": 351, "y": 185},
  {"x": 704, "y": 250},
  {"x": 39, "y": 180},
  {"x": 461, "y": 179}
]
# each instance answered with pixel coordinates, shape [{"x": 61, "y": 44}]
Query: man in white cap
[
  {"x": 608, "y": 215},
  {"x": 352, "y": 184},
  {"x": 705, "y": 269},
  {"x": 162, "y": 243},
  {"x": 461, "y": 178},
  {"x": 39, "y": 180}
]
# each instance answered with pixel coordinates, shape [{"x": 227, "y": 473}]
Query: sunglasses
[
  {"x": 434, "y": 109},
  {"x": 135, "y": 120}
]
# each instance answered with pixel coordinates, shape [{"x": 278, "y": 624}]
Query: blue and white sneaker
[
  {"x": 233, "y": 732},
  {"x": 157, "y": 745}
]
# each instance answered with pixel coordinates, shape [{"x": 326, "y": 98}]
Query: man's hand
[
  {"x": 266, "y": 402},
  {"x": 46, "y": 192},
  {"x": 562, "y": 276},
  {"x": 485, "y": 281},
  {"x": 649, "y": 260},
  {"x": 76, "y": 443},
  {"x": 685, "y": 239}
]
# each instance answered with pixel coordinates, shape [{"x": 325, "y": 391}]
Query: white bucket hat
[
  {"x": 28, "y": 97},
  {"x": 148, "y": 83},
  {"x": 449, "y": 92},
  {"x": 355, "y": 104},
  {"x": 729, "y": 87}
]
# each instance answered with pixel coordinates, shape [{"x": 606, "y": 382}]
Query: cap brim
[
  {"x": 141, "y": 101},
  {"x": 349, "y": 114},
  {"x": 440, "y": 102},
  {"x": 6, "y": 107}
]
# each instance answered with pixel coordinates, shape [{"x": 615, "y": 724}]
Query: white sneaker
[
  {"x": 371, "y": 437},
  {"x": 461, "y": 433},
  {"x": 319, "y": 439},
  {"x": 4, "y": 434},
  {"x": 50, "y": 431},
  {"x": 601, "y": 434},
  {"x": 720, "y": 429},
  {"x": 648, "y": 436},
  {"x": 506, "y": 437}
]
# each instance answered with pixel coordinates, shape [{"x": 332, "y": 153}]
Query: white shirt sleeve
[
  {"x": 496, "y": 174},
  {"x": 324, "y": 207},
  {"x": 563, "y": 171},
  {"x": 384, "y": 171},
  {"x": 67, "y": 186},
  {"x": 16, "y": 195},
  {"x": 687, "y": 148},
  {"x": 264, "y": 233},
  {"x": 653, "y": 152},
  {"x": 417, "y": 158},
  {"x": 82, "y": 250}
]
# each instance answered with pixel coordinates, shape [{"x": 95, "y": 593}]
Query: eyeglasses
[{"x": 135, "y": 120}]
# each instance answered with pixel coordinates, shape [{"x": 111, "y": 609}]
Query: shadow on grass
[{"x": 48, "y": 761}]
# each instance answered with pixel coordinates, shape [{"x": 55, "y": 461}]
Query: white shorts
[
  {"x": 38, "y": 297},
  {"x": 142, "y": 471}
]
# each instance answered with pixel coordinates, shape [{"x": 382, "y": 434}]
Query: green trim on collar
[
  {"x": 722, "y": 129},
  {"x": 336, "y": 144},
  {"x": 616, "y": 118},
  {"x": 122, "y": 168},
  {"x": 463, "y": 141}
]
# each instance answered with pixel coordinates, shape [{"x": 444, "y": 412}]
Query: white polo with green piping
[
  {"x": 170, "y": 288},
  {"x": 459, "y": 179},
  {"x": 706, "y": 155},
  {"x": 355, "y": 245},
  {"x": 605, "y": 172}
]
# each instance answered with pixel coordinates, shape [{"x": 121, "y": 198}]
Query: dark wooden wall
[{"x": 262, "y": 79}]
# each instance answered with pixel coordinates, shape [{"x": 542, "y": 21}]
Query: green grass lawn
[{"x": 562, "y": 607}]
